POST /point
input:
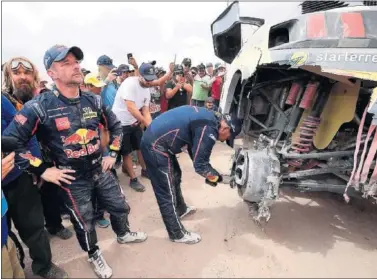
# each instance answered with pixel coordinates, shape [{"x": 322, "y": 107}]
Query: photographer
[
  {"x": 107, "y": 73},
  {"x": 186, "y": 64},
  {"x": 178, "y": 90}
]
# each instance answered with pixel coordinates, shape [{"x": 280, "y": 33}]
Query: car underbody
[
  {"x": 308, "y": 108},
  {"x": 300, "y": 130}
]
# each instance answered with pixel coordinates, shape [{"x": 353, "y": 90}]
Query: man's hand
[
  {"x": 56, "y": 176},
  {"x": 171, "y": 67},
  {"x": 107, "y": 163},
  {"x": 111, "y": 76},
  {"x": 132, "y": 62},
  {"x": 179, "y": 85},
  {"x": 7, "y": 164}
]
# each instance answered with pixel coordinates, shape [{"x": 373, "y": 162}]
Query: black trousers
[
  {"x": 79, "y": 196},
  {"x": 51, "y": 207},
  {"x": 26, "y": 211},
  {"x": 165, "y": 175}
]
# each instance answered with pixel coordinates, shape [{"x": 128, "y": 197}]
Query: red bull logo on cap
[
  {"x": 34, "y": 161},
  {"x": 81, "y": 136}
]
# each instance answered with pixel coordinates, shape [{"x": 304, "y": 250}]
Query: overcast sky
[{"x": 149, "y": 30}]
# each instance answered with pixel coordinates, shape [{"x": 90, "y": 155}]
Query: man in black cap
[
  {"x": 124, "y": 72},
  {"x": 178, "y": 89},
  {"x": 198, "y": 128},
  {"x": 66, "y": 121},
  {"x": 186, "y": 64}
]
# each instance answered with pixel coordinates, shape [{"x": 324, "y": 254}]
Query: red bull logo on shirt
[{"x": 81, "y": 136}]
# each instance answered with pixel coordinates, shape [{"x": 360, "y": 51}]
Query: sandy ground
[{"x": 309, "y": 235}]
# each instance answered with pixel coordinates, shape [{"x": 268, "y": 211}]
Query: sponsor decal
[
  {"x": 81, "y": 136},
  {"x": 115, "y": 145},
  {"x": 88, "y": 113},
  {"x": 298, "y": 58},
  {"x": 34, "y": 161},
  {"x": 62, "y": 123},
  {"x": 86, "y": 150},
  {"x": 20, "y": 119}
]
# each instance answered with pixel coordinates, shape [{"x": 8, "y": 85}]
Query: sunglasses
[{"x": 18, "y": 62}]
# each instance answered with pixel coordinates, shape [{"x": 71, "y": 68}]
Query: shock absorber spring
[{"x": 304, "y": 143}]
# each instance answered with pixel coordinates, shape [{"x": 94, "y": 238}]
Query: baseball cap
[
  {"x": 235, "y": 125},
  {"x": 148, "y": 72},
  {"x": 106, "y": 61},
  {"x": 178, "y": 69},
  {"x": 92, "y": 79},
  {"x": 57, "y": 53},
  {"x": 201, "y": 67},
  {"x": 209, "y": 65},
  {"x": 123, "y": 68},
  {"x": 186, "y": 61}
]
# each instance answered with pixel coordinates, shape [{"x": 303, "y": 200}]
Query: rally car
[{"x": 302, "y": 87}]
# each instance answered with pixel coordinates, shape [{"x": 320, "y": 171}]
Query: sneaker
[
  {"x": 63, "y": 234},
  {"x": 103, "y": 223},
  {"x": 144, "y": 173},
  {"x": 54, "y": 272},
  {"x": 132, "y": 237},
  {"x": 136, "y": 185},
  {"x": 189, "y": 210},
  {"x": 100, "y": 266},
  {"x": 188, "y": 238}
]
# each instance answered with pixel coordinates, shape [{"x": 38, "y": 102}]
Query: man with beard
[
  {"x": 67, "y": 120},
  {"x": 24, "y": 200}
]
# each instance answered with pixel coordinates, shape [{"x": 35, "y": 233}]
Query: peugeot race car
[{"x": 303, "y": 88}]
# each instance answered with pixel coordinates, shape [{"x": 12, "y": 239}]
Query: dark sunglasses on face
[{"x": 18, "y": 62}]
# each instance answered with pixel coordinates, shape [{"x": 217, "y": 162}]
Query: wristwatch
[{"x": 113, "y": 154}]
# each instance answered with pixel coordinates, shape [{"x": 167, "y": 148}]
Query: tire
[{"x": 19, "y": 249}]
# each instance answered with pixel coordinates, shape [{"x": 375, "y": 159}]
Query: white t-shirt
[{"x": 130, "y": 90}]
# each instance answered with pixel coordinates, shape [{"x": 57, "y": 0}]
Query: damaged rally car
[{"x": 303, "y": 88}]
